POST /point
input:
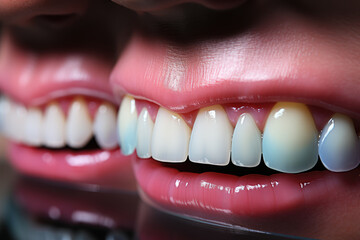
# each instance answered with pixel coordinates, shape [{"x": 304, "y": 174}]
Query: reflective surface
[{"x": 35, "y": 209}]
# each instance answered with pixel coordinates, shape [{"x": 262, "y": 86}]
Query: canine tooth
[
  {"x": 170, "y": 139},
  {"x": 105, "y": 126},
  {"x": 127, "y": 121},
  {"x": 16, "y": 122},
  {"x": 210, "y": 141},
  {"x": 33, "y": 127},
  {"x": 54, "y": 127},
  {"x": 145, "y": 127},
  {"x": 79, "y": 125},
  {"x": 290, "y": 138},
  {"x": 246, "y": 142},
  {"x": 339, "y": 144}
]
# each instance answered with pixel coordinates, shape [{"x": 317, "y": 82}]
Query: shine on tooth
[
  {"x": 290, "y": 138},
  {"x": 210, "y": 141},
  {"x": 33, "y": 127},
  {"x": 246, "y": 142},
  {"x": 170, "y": 139},
  {"x": 339, "y": 144},
  {"x": 54, "y": 126},
  {"x": 127, "y": 122},
  {"x": 79, "y": 124},
  {"x": 105, "y": 126},
  {"x": 145, "y": 127}
]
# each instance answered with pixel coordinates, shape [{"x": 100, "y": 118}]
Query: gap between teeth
[{"x": 290, "y": 142}]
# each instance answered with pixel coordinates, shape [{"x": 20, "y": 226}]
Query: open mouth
[{"x": 236, "y": 115}]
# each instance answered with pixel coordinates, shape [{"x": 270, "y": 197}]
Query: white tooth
[
  {"x": 127, "y": 122},
  {"x": 16, "y": 122},
  {"x": 33, "y": 127},
  {"x": 54, "y": 127},
  {"x": 105, "y": 126},
  {"x": 210, "y": 141},
  {"x": 246, "y": 142},
  {"x": 339, "y": 144},
  {"x": 79, "y": 125},
  {"x": 170, "y": 139},
  {"x": 145, "y": 127}
]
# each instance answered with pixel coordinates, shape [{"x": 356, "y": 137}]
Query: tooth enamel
[
  {"x": 16, "y": 122},
  {"x": 210, "y": 141},
  {"x": 290, "y": 139},
  {"x": 79, "y": 124},
  {"x": 105, "y": 126},
  {"x": 339, "y": 145},
  {"x": 127, "y": 121},
  {"x": 170, "y": 139},
  {"x": 246, "y": 142},
  {"x": 33, "y": 127},
  {"x": 5, "y": 111},
  {"x": 54, "y": 127},
  {"x": 145, "y": 127}
]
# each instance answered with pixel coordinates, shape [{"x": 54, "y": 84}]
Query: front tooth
[
  {"x": 16, "y": 122},
  {"x": 246, "y": 142},
  {"x": 79, "y": 125},
  {"x": 144, "y": 134},
  {"x": 210, "y": 140},
  {"x": 127, "y": 121},
  {"x": 290, "y": 138},
  {"x": 170, "y": 139},
  {"x": 54, "y": 127},
  {"x": 338, "y": 145},
  {"x": 33, "y": 127},
  {"x": 105, "y": 126}
]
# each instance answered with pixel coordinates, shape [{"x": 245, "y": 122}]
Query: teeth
[
  {"x": 210, "y": 140},
  {"x": 339, "y": 145},
  {"x": 79, "y": 125},
  {"x": 127, "y": 121},
  {"x": 290, "y": 139},
  {"x": 105, "y": 127},
  {"x": 145, "y": 127},
  {"x": 170, "y": 140},
  {"x": 54, "y": 127},
  {"x": 4, "y": 112},
  {"x": 246, "y": 143},
  {"x": 33, "y": 127}
]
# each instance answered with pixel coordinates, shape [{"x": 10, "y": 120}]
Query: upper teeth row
[
  {"x": 52, "y": 129},
  {"x": 285, "y": 146}
]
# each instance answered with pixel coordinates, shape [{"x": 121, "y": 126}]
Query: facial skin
[{"x": 187, "y": 56}]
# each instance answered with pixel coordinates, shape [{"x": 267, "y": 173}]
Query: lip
[{"x": 276, "y": 56}]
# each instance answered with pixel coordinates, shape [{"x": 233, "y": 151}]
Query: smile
[{"x": 235, "y": 125}]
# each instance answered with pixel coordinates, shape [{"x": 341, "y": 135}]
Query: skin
[{"x": 322, "y": 37}]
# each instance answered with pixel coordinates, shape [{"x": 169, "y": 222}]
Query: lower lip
[
  {"x": 105, "y": 168},
  {"x": 229, "y": 199}
]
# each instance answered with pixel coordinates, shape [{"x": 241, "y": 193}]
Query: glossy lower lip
[
  {"x": 108, "y": 169},
  {"x": 231, "y": 199}
]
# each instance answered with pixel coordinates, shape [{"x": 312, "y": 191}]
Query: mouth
[{"x": 233, "y": 125}]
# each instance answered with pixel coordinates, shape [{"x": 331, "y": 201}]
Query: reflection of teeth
[
  {"x": 105, "y": 127},
  {"x": 144, "y": 134},
  {"x": 170, "y": 139},
  {"x": 33, "y": 127},
  {"x": 54, "y": 127},
  {"x": 210, "y": 140},
  {"x": 127, "y": 121},
  {"x": 246, "y": 142},
  {"x": 79, "y": 125},
  {"x": 290, "y": 138},
  {"x": 339, "y": 145}
]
